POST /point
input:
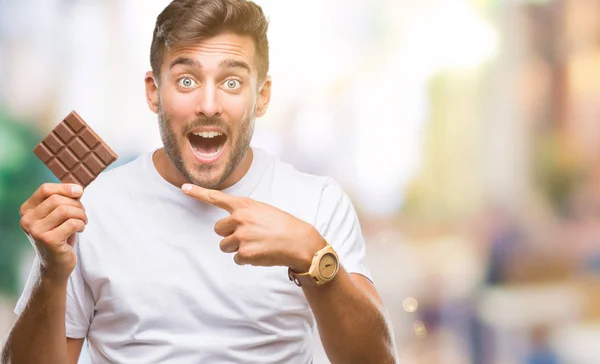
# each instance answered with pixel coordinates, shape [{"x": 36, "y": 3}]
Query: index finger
[
  {"x": 48, "y": 189},
  {"x": 213, "y": 197}
]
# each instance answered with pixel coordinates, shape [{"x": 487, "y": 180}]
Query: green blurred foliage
[{"x": 20, "y": 174}]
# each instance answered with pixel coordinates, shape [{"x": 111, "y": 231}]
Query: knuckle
[
  {"x": 72, "y": 224},
  {"x": 62, "y": 211},
  {"x": 25, "y": 223},
  {"x": 43, "y": 238},
  {"x": 35, "y": 231},
  {"x": 241, "y": 235},
  {"x": 22, "y": 210},
  {"x": 245, "y": 253},
  {"x": 242, "y": 252},
  {"x": 46, "y": 189},
  {"x": 77, "y": 212},
  {"x": 246, "y": 233},
  {"x": 239, "y": 216},
  {"x": 54, "y": 200},
  {"x": 79, "y": 225}
]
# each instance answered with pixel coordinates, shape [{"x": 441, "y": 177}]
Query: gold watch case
[{"x": 325, "y": 265}]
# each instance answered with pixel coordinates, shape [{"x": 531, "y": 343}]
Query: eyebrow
[
  {"x": 185, "y": 61},
  {"x": 227, "y": 63},
  {"x": 232, "y": 63}
]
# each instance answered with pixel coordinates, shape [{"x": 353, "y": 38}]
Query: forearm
[
  {"x": 38, "y": 336},
  {"x": 352, "y": 324}
]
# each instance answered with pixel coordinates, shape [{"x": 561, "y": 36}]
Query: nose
[{"x": 208, "y": 102}]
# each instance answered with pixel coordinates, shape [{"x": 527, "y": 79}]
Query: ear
[
  {"x": 151, "y": 92},
  {"x": 264, "y": 98}
]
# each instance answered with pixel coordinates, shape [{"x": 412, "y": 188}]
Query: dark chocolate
[{"x": 74, "y": 152}]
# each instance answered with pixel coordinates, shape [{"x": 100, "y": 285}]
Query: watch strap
[{"x": 300, "y": 278}]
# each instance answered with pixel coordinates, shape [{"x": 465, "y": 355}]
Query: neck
[{"x": 169, "y": 172}]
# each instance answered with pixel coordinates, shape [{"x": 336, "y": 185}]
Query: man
[{"x": 194, "y": 253}]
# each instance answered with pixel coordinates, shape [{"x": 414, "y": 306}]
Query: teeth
[
  {"x": 208, "y": 134},
  {"x": 208, "y": 155}
]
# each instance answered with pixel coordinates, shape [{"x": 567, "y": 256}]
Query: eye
[
  {"x": 232, "y": 84},
  {"x": 186, "y": 82}
]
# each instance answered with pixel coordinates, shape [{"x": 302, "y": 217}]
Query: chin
[{"x": 207, "y": 176}]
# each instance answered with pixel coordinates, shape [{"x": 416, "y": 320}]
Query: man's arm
[
  {"x": 351, "y": 319},
  {"x": 50, "y": 218},
  {"x": 38, "y": 335}
]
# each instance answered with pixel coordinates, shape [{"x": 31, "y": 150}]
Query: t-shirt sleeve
[
  {"x": 338, "y": 223},
  {"x": 80, "y": 301}
]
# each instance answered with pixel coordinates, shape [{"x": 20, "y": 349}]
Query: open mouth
[{"x": 207, "y": 145}]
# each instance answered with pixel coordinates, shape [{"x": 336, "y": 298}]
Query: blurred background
[{"x": 466, "y": 132}]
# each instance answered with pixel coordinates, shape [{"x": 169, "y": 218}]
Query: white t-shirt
[{"x": 152, "y": 286}]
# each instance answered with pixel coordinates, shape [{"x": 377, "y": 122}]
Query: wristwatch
[{"x": 324, "y": 267}]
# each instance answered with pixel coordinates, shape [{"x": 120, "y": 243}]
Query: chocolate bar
[{"x": 74, "y": 152}]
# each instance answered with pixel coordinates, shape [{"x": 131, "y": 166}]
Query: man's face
[{"x": 207, "y": 102}]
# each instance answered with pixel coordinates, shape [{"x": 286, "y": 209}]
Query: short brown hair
[{"x": 184, "y": 22}]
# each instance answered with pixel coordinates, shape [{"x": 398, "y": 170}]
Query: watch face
[{"x": 328, "y": 265}]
